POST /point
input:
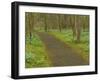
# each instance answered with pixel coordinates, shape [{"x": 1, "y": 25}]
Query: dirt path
[{"x": 60, "y": 53}]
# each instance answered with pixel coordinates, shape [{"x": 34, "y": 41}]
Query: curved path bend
[{"x": 60, "y": 53}]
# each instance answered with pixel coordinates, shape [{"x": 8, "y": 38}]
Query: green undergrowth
[{"x": 35, "y": 53}]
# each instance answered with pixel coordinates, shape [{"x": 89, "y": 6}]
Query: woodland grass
[
  {"x": 82, "y": 47},
  {"x": 35, "y": 53}
]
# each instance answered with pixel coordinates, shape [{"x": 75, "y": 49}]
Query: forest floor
[{"x": 60, "y": 53}]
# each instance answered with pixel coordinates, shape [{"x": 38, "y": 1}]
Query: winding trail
[{"x": 60, "y": 53}]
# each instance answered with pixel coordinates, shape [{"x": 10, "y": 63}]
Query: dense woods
[
  {"x": 62, "y": 32},
  {"x": 58, "y": 22}
]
